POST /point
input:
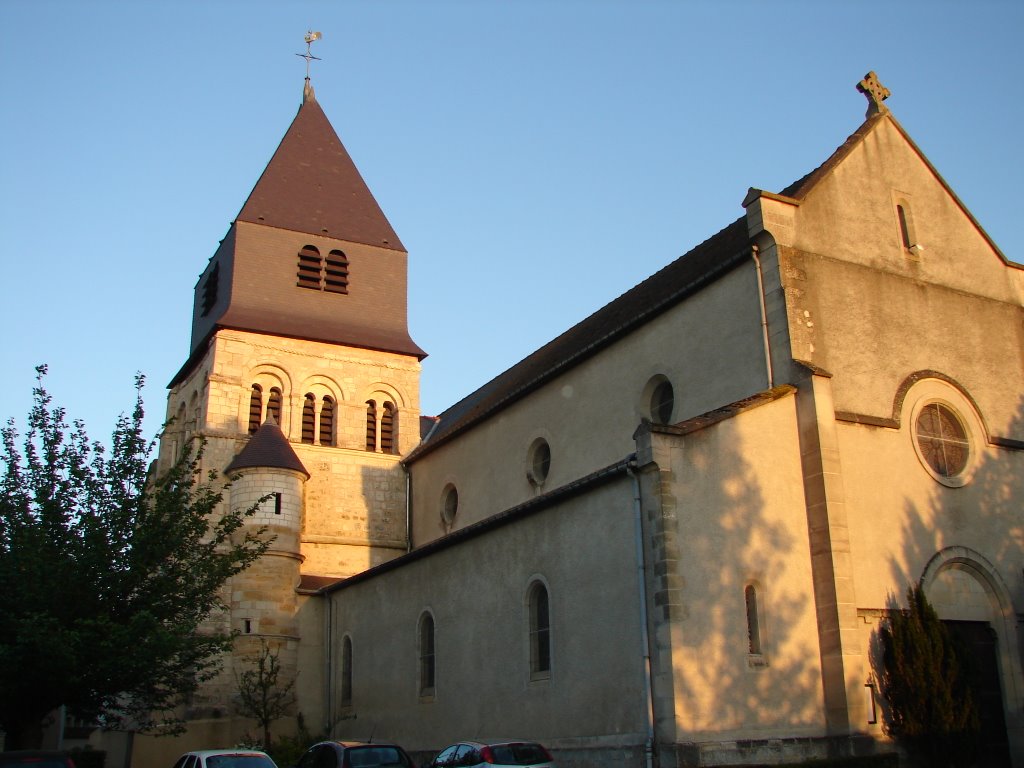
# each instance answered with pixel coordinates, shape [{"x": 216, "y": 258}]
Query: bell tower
[{"x": 300, "y": 341}]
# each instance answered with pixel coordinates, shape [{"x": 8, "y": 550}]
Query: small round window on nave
[
  {"x": 663, "y": 400},
  {"x": 942, "y": 440}
]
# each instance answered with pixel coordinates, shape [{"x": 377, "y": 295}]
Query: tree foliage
[
  {"x": 106, "y": 574},
  {"x": 930, "y": 706},
  {"x": 262, "y": 692}
]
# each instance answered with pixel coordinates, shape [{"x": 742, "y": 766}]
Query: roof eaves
[
  {"x": 722, "y": 267},
  {"x": 531, "y": 507}
]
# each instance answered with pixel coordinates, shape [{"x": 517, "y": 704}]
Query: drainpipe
[
  {"x": 408, "y": 508},
  {"x": 328, "y": 653},
  {"x": 764, "y": 316},
  {"x": 645, "y": 639}
]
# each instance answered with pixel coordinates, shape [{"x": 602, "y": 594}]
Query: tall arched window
[
  {"x": 309, "y": 267},
  {"x": 327, "y": 421},
  {"x": 308, "y": 418},
  {"x": 255, "y": 408},
  {"x": 540, "y": 632},
  {"x": 387, "y": 429},
  {"x": 346, "y": 672},
  {"x": 426, "y": 655},
  {"x": 274, "y": 405},
  {"x": 371, "y": 425},
  {"x": 753, "y": 621}
]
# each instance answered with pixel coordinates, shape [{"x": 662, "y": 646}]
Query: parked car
[
  {"x": 493, "y": 754},
  {"x": 35, "y": 758},
  {"x": 354, "y": 754},
  {"x": 225, "y": 758}
]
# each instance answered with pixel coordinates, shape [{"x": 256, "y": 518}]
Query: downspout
[
  {"x": 328, "y": 653},
  {"x": 641, "y": 568},
  {"x": 764, "y": 316},
  {"x": 408, "y": 508}
]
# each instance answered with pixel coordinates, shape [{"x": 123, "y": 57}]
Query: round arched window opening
[
  {"x": 941, "y": 441},
  {"x": 449, "y": 505},
  {"x": 539, "y": 461},
  {"x": 662, "y": 402}
]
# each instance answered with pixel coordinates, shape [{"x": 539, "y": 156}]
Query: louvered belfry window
[
  {"x": 371, "y": 425},
  {"x": 308, "y": 418},
  {"x": 255, "y": 408},
  {"x": 310, "y": 267},
  {"x": 274, "y": 405},
  {"x": 210, "y": 290},
  {"x": 387, "y": 429},
  {"x": 327, "y": 422},
  {"x": 320, "y": 274},
  {"x": 336, "y": 273}
]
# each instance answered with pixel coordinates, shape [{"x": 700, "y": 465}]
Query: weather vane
[{"x": 311, "y": 37}]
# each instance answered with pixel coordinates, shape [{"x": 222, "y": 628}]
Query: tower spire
[{"x": 307, "y": 90}]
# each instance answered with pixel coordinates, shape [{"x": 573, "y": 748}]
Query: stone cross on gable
[{"x": 876, "y": 93}]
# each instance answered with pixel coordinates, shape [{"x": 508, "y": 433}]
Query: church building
[{"x": 666, "y": 538}]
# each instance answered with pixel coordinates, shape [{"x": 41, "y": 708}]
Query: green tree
[
  {"x": 930, "y": 707},
  {"x": 262, "y": 693},
  {"x": 106, "y": 574}
]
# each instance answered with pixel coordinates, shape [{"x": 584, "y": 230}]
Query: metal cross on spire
[
  {"x": 876, "y": 93},
  {"x": 311, "y": 37}
]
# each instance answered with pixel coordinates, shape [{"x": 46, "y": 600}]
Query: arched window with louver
[
  {"x": 388, "y": 441},
  {"x": 274, "y": 405},
  {"x": 255, "y": 408},
  {"x": 310, "y": 267},
  {"x": 371, "y": 425},
  {"x": 308, "y": 418},
  {"x": 336, "y": 273},
  {"x": 327, "y": 421}
]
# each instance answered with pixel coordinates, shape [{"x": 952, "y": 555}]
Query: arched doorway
[{"x": 972, "y": 601}]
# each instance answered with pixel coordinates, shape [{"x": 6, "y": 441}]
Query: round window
[
  {"x": 449, "y": 505},
  {"x": 942, "y": 440},
  {"x": 662, "y": 402},
  {"x": 539, "y": 461}
]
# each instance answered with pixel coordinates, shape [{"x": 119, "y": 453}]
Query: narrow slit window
[
  {"x": 310, "y": 267},
  {"x": 346, "y": 672},
  {"x": 387, "y": 428},
  {"x": 540, "y": 632},
  {"x": 308, "y": 418},
  {"x": 426, "y": 656},
  {"x": 336, "y": 273},
  {"x": 255, "y": 408},
  {"x": 327, "y": 422},
  {"x": 753, "y": 621}
]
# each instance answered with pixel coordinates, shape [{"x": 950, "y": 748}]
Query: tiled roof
[
  {"x": 312, "y": 185},
  {"x": 700, "y": 266},
  {"x": 268, "y": 447}
]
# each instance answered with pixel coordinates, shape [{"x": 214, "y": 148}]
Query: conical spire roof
[
  {"x": 268, "y": 448},
  {"x": 311, "y": 185}
]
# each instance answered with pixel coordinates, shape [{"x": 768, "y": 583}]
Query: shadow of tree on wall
[
  {"x": 978, "y": 528},
  {"x": 742, "y": 534}
]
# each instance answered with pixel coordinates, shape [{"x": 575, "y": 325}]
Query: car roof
[{"x": 215, "y": 752}]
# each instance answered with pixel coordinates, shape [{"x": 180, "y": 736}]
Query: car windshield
[
  {"x": 519, "y": 754},
  {"x": 373, "y": 756},
  {"x": 239, "y": 761}
]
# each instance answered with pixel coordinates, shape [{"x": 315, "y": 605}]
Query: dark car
[
  {"x": 354, "y": 754},
  {"x": 492, "y": 754},
  {"x": 36, "y": 759}
]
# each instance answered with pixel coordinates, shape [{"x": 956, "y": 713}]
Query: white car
[
  {"x": 225, "y": 758},
  {"x": 493, "y": 754}
]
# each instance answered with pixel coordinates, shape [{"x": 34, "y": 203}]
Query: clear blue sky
[{"x": 537, "y": 158}]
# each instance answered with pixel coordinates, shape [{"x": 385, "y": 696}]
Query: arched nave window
[
  {"x": 427, "y": 679},
  {"x": 540, "y": 632}
]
